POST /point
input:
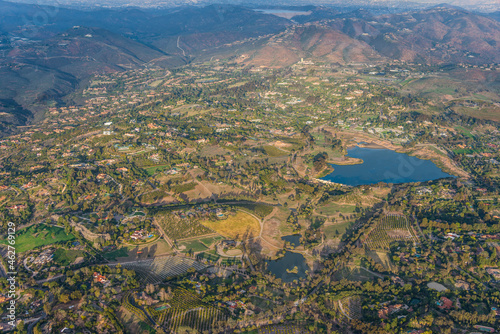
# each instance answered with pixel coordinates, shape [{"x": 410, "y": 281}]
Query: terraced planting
[
  {"x": 187, "y": 310},
  {"x": 283, "y": 329},
  {"x": 156, "y": 270},
  {"x": 392, "y": 227},
  {"x": 350, "y": 307},
  {"x": 179, "y": 228}
]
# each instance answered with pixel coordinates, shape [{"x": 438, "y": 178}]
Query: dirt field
[
  {"x": 399, "y": 234},
  {"x": 210, "y": 151}
]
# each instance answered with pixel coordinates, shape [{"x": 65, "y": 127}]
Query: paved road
[
  {"x": 49, "y": 279},
  {"x": 33, "y": 321}
]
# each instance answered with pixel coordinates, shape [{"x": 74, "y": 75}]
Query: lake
[
  {"x": 293, "y": 239},
  {"x": 383, "y": 165},
  {"x": 279, "y": 267}
]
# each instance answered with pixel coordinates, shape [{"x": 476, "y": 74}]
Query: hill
[
  {"x": 41, "y": 64},
  {"x": 314, "y": 42},
  {"x": 441, "y": 34},
  {"x": 40, "y": 73}
]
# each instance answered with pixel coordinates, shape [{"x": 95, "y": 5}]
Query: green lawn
[
  {"x": 464, "y": 131},
  {"x": 154, "y": 169},
  {"x": 65, "y": 257},
  {"x": 210, "y": 240},
  {"x": 463, "y": 151},
  {"x": 193, "y": 245},
  {"x": 122, "y": 252},
  {"x": 332, "y": 208},
  {"x": 331, "y": 230},
  {"x": 37, "y": 236}
]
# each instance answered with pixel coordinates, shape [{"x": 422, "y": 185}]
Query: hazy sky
[{"x": 149, "y": 3}]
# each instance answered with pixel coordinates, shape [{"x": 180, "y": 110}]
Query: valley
[{"x": 225, "y": 170}]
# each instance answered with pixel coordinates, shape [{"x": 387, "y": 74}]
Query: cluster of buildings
[
  {"x": 444, "y": 303},
  {"x": 236, "y": 304},
  {"x": 384, "y": 312},
  {"x": 451, "y": 236},
  {"x": 44, "y": 257},
  {"x": 141, "y": 235},
  {"x": 100, "y": 278}
]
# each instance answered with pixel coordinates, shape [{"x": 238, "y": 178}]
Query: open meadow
[{"x": 238, "y": 226}]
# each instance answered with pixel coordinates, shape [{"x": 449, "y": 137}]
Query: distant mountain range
[
  {"x": 46, "y": 53},
  {"x": 477, "y": 5}
]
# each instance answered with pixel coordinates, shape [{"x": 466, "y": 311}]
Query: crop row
[{"x": 391, "y": 228}]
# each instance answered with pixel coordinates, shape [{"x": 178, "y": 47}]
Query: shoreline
[
  {"x": 349, "y": 161},
  {"x": 368, "y": 145}
]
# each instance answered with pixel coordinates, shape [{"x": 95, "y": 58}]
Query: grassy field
[
  {"x": 158, "y": 247},
  {"x": 154, "y": 169},
  {"x": 212, "y": 150},
  {"x": 39, "y": 235},
  {"x": 209, "y": 241},
  {"x": 148, "y": 250},
  {"x": 331, "y": 230},
  {"x": 181, "y": 188},
  {"x": 193, "y": 246},
  {"x": 273, "y": 151},
  {"x": 333, "y": 208},
  {"x": 380, "y": 257},
  {"x": 464, "y": 131},
  {"x": 260, "y": 210},
  {"x": 356, "y": 274},
  {"x": 156, "y": 83},
  {"x": 122, "y": 252},
  {"x": 235, "y": 227},
  {"x": 208, "y": 256},
  {"x": 65, "y": 257}
]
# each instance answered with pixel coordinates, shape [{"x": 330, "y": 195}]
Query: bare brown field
[
  {"x": 210, "y": 151},
  {"x": 396, "y": 233},
  {"x": 199, "y": 192},
  {"x": 235, "y": 227}
]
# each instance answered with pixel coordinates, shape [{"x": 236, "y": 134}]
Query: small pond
[
  {"x": 293, "y": 239},
  {"x": 294, "y": 262}
]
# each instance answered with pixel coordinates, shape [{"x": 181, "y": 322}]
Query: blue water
[
  {"x": 289, "y": 261},
  {"x": 383, "y": 165},
  {"x": 293, "y": 239}
]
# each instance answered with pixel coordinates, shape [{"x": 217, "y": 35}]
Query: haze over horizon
[{"x": 481, "y": 5}]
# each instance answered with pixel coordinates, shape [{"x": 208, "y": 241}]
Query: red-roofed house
[
  {"x": 445, "y": 304},
  {"x": 99, "y": 278}
]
